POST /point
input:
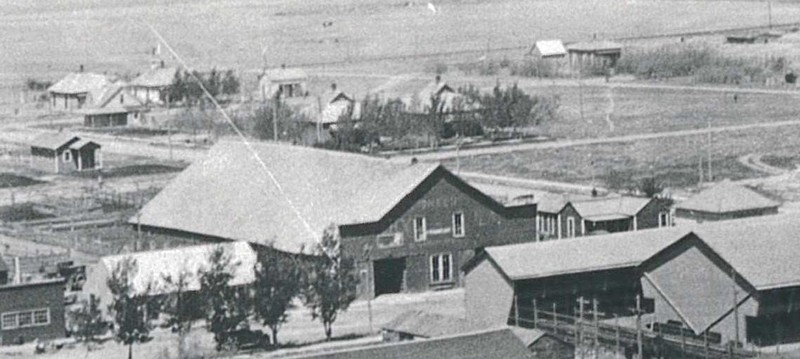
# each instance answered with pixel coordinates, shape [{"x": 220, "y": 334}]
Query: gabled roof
[
  {"x": 595, "y": 46},
  {"x": 762, "y": 250},
  {"x": 54, "y": 141},
  {"x": 609, "y": 208},
  {"x": 550, "y": 48},
  {"x": 429, "y": 325},
  {"x": 157, "y": 77},
  {"x": 488, "y": 344},
  {"x": 153, "y": 266},
  {"x": 230, "y": 195},
  {"x": 79, "y": 82},
  {"x": 285, "y": 75},
  {"x": 583, "y": 254},
  {"x": 555, "y": 202},
  {"x": 726, "y": 197},
  {"x": 83, "y": 143},
  {"x": 528, "y": 336}
]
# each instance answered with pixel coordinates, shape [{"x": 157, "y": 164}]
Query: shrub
[{"x": 535, "y": 68}]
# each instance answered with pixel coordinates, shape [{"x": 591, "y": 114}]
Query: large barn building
[{"x": 409, "y": 226}]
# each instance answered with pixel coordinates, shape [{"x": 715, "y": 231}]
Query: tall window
[
  {"x": 67, "y": 156},
  {"x": 663, "y": 219},
  {"x": 420, "y": 230},
  {"x": 458, "y": 224},
  {"x": 570, "y": 227},
  {"x": 441, "y": 268}
]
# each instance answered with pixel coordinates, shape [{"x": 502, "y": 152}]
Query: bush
[
  {"x": 535, "y": 68},
  {"x": 483, "y": 68}
]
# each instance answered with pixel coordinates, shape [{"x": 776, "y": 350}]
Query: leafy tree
[
  {"x": 132, "y": 308},
  {"x": 226, "y": 307},
  {"x": 88, "y": 321},
  {"x": 617, "y": 180},
  {"x": 230, "y": 83},
  {"x": 650, "y": 186},
  {"x": 181, "y": 308},
  {"x": 331, "y": 282},
  {"x": 278, "y": 282}
]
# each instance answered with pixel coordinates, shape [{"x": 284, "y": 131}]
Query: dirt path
[{"x": 753, "y": 161}]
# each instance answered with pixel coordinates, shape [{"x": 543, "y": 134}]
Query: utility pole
[
  {"x": 769, "y": 12},
  {"x": 735, "y": 306},
  {"x": 708, "y": 150},
  {"x": 275, "y": 116}
]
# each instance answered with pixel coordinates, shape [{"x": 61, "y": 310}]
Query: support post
[
  {"x": 616, "y": 334},
  {"x": 735, "y": 305},
  {"x": 596, "y": 327},
  {"x": 639, "y": 325},
  {"x": 555, "y": 319},
  {"x": 516, "y": 309},
  {"x": 535, "y": 314}
]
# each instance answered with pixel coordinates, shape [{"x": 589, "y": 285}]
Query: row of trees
[
  {"x": 219, "y": 84},
  {"x": 325, "y": 282}
]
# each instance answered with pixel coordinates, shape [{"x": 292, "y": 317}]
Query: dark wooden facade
[{"x": 31, "y": 311}]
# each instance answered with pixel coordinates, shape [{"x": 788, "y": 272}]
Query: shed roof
[
  {"x": 489, "y": 344},
  {"x": 153, "y": 266},
  {"x": 157, "y": 77},
  {"x": 584, "y": 254},
  {"x": 726, "y": 197},
  {"x": 595, "y": 46},
  {"x": 550, "y": 48},
  {"x": 54, "y": 141},
  {"x": 230, "y": 195},
  {"x": 285, "y": 75},
  {"x": 762, "y": 250},
  {"x": 429, "y": 325},
  {"x": 79, "y": 82}
]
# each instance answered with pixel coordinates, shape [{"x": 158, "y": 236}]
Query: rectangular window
[
  {"x": 441, "y": 268},
  {"x": 570, "y": 227},
  {"x": 25, "y": 319},
  {"x": 458, "y": 224},
  {"x": 67, "y": 156},
  {"x": 420, "y": 230},
  {"x": 9, "y": 320},
  {"x": 663, "y": 219},
  {"x": 41, "y": 316}
]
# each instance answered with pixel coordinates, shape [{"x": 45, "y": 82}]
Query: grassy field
[
  {"x": 674, "y": 161},
  {"x": 45, "y": 40}
]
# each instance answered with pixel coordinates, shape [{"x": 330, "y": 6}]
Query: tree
[
  {"x": 331, "y": 282},
  {"x": 131, "y": 307},
  {"x": 87, "y": 321},
  {"x": 278, "y": 282},
  {"x": 226, "y": 307},
  {"x": 617, "y": 180},
  {"x": 230, "y": 83},
  {"x": 512, "y": 108},
  {"x": 650, "y": 186},
  {"x": 181, "y": 309}
]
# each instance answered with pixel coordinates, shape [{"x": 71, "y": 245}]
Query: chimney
[
  {"x": 80, "y": 69},
  {"x": 333, "y": 87},
  {"x": 17, "y": 271},
  {"x": 438, "y": 78}
]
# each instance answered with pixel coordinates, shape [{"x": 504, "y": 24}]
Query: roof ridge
[
  {"x": 155, "y": 251},
  {"x": 259, "y": 143}
]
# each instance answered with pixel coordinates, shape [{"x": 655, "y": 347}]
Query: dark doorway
[{"x": 389, "y": 275}]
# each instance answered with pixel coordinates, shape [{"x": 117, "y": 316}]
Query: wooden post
[
  {"x": 555, "y": 320},
  {"x": 735, "y": 305},
  {"x": 639, "y": 325},
  {"x": 535, "y": 314},
  {"x": 516, "y": 309},
  {"x": 596, "y": 327},
  {"x": 616, "y": 329},
  {"x": 578, "y": 320},
  {"x": 705, "y": 344}
]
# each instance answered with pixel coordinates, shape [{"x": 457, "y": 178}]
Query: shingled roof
[
  {"x": 79, "y": 82},
  {"x": 489, "y": 344},
  {"x": 610, "y": 207},
  {"x": 54, "y": 141},
  {"x": 158, "y": 77},
  {"x": 726, "y": 197},
  {"x": 231, "y": 195}
]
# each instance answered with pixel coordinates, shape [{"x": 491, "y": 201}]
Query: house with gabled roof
[
  {"x": 594, "y": 52},
  {"x": 116, "y": 106},
  {"x": 76, "y": 90},
  {"x": 152, "y": 86},
  {"x": 408, "y": 226},
  {"x": 732, "y": 281},
  {"x": 725, "y": 201},
  {"x": 567, "y": 217},
  {"x": 288, "y": 82},
  {"x": 64, "y": 152},
  {"x": 547, "y": 49}
]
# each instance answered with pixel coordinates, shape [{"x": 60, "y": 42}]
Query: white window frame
[
  {"x": 665, "y": 216},
  {"x": 420, "y": 233},
  {"x": 16, "y": 314},
  {"x": 439, "y": 260},
  {"x": 67, "y": 155},
  {"x": 463, "y": 228},
  {"x": 570, "y": 227}
]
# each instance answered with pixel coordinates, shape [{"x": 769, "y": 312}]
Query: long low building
[{"x": 688, "y": 277}]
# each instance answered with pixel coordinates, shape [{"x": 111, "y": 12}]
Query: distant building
[
  {"x": 3, "y": 272},
  {"x": 595, "y": 52},
  {"x": 548, "y": 49},
  {"x": 76, "y": 90},
  {"x": 154, "y": 266},
  {"x": 30, "y": 311},
  {"x": 562, "y": 218},
  {"x": 116, "y": 107},
  {"x": 437, "y": 96},
  {"x": 725, "y": 201},
  {"x": 289, "y": 82},
  {"x": 497, "y": 343},
  {"x": 64, "y": 153},
  {"x": 152, "y": 87},
  {"x": 408, "y": 226}
]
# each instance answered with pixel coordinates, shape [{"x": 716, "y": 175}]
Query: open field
[
  {"x": 46, "y": 40},
  {"x": 673, "y": 160}
]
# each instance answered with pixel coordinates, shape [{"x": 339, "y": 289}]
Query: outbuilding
[
  {"x": 64, "y": 153},
  {"x": 548, "y": 49},
  {"x": 595, "y": 52},
  {"x": 288, "y": 82},
  {"x": 117, "y": 107},
  {"x": 725, "y": 201}
]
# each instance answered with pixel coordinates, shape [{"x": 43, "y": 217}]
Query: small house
[
  {"x": 31, "y": 311},
  {"x": 594, "y": 53},
  {"x": 116, "y": 107},
  {"x": 152, "y": 87},
  {"x": 76, "y": 90},
  {"x": 548, "y": 49},
  {"x": 437, "y": 96},
  {"x": 725, "y": 201},
  {"x": 64, "y": 153},
  {"x": 285, "y": 82}
]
